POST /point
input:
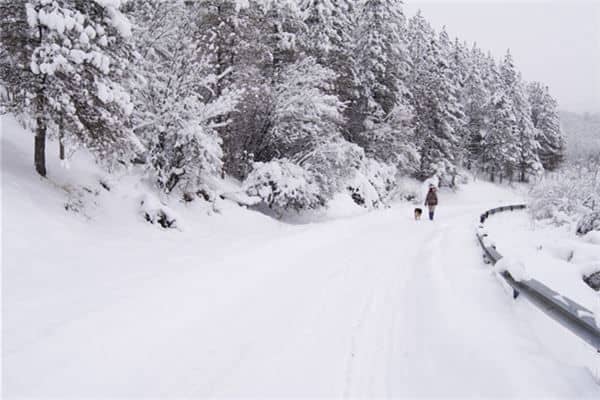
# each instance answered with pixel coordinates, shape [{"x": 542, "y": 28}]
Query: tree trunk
[
  {"x": 61, "y": 147},
  {"x": 40, "y": 147}
]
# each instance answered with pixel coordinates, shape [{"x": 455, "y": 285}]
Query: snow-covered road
[{"x": 376, "y": 305}]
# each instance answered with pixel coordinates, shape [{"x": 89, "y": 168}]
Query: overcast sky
[{"x": 553, "y": 41}]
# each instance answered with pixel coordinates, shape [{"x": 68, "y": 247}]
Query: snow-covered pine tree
[
  {"x": 546, "y": 120},
  {"x": 460, "y": 65},
  {"x": 250, "y": 74},
  {"x": 498, "y": 150},
  {"x": 436, "y": 106},
  {"x": 498, "y": 146},
  {"x": 383, "y": 66},
  {"x": 475, "y": 102},
  {"x": 176, "y": 106},
  {"x": 239, "y": 37},
  {"x": 285, "y": 31},
  {"x": 328, "y": 39},
  {"x": 528, "y": 160},
  {"x": 280, "y": 32},
  {"x": 329, "y": 26},
  {"x": 217, "y": 37},
  {"x": 64, "y": 64}
]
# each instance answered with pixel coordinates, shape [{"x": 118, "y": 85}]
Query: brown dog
[{"x": 418, "y": 212}]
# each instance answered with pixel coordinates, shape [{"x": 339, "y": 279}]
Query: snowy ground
[{"x": 237, "y": 304}]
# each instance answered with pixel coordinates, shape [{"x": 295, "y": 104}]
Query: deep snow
[{"x": 99, "y": 303}]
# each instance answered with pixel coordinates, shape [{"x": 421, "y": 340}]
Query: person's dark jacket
[{"x": 431, "y": 199}]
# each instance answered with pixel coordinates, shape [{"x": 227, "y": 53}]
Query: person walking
[{"x": 431, "y": 200}]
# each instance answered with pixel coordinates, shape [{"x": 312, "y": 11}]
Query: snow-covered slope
[{"x": 99, "y": 303}]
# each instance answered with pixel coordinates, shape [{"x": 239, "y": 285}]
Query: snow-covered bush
[
  {"x": 373, "y": 184},
  {"x": 283, "y": 185},
  {"x": 342, "y": 166},
  {"x": 567, "y": 196},
  {"x": 186, "y": 160},
  {"x": 333, "y": 165},
  {"x": 593, "y": 280},
  {"x": 155, "y": 212},
  {"x": 589, "y": 222},
  {"x": 408, "y": 189}
]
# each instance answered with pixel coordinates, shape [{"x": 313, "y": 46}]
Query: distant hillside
[{"x": 582, "y": 132}]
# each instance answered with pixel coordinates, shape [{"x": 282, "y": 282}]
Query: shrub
[
  {"x": 373, "y": 184},
  {"x": 568, "y": 195},
  {"x": 283, "y": 185}
]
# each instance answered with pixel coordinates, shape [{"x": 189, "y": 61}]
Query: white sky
[{"x": 553, "y": 41}]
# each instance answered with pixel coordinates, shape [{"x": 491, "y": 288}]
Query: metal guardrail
[{"x": 573, "y": 316}]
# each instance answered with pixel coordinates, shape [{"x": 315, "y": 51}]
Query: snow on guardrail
[{"x": 573, "y": 316}]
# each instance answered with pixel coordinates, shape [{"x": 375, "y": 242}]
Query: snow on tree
[
  {"x": 176, "y": 106},
  {"x": 303, "y": 114},
  {"x": 546, "y": 121},
  {"x": 64, "y": 64}
]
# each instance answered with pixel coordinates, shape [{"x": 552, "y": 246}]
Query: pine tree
[
  {"x": 546, "y": 120},
  {"x": 476, "y": 98},
  {"x": 461, "y": 66},
  {"x": 328, "y": 38},
  {"x": 64, "y": 65},
  {"x": 304, "y": 114},
  {"x": 437, "y": 109},
  {"x": 382, "y": 59},
  {"x": 527, "y": 146},
  {"x": 278, "y": 31},
  {"x": 498, "y": 146},
  {"x": 383, "y": 64},
  {"x": 328, "y": 23}
]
